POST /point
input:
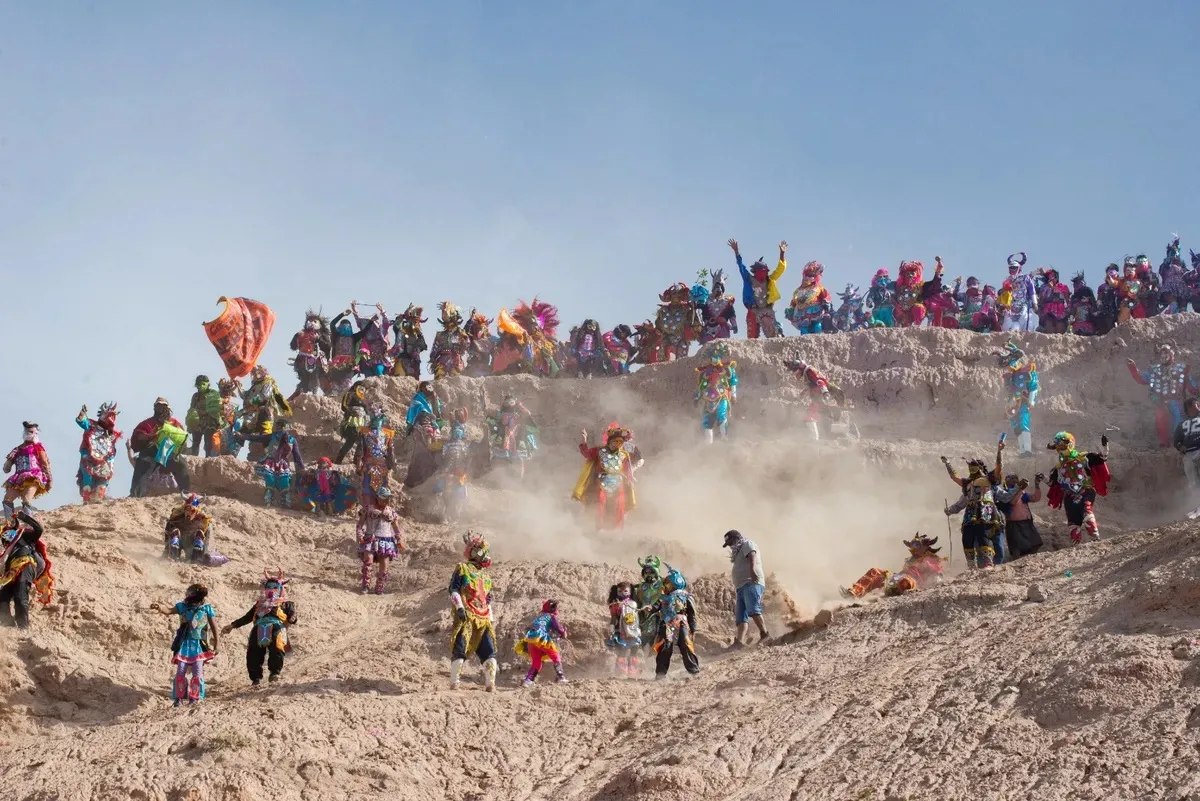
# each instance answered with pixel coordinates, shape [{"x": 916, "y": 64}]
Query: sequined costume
[
  {"x": 625, "y": 630},
  {"x": 850, "y": 315},
  {"x": 195, "y": 643},
  {"x": 1075, "y": 482},
  {"x": 409, "y": 342},
  {"x": 344, "y": 345},
  {"x": 1054, "y": 300},
  {"x": 326, "y": 491},
  {"x": 312, "y": 345},
  {"x": 619, "y": 352},
  {"x": 447, "y": 357},
  {"x": 922, "y": 568},
  {"x": 187, "y": 535},
  {"x": 606, "y": 481},
  {"x": 587, "y": 350},
  {"x": 539, "y": 322},
  {"x": 355, "y": 417},
  {"x": 716, "y": 389},
  {"x": 817, "y": 395},
  {"x": 225, "y": 440},
  {"x": 470, "y": 600},
  {"x": 760, "y": 291},
  {"x": 26, "y": 568},
  {"x": 282, "y": 451},
  {"x": 1170, "y": 382},
  {"x": 481, "y": 345},
  {"x": 909, "y": 311},
  {"x": 1081, "y": 309},
  {"x": 380, "y": 538},
  {"x": 512, "y": 434},
  {"x": 30, "y": 467},
  {"x": 1021, "y": 387},
  {"x": 540, "y": 643},
  {"x": 1020, "y": 306},
  {"x": 881, "y": 299},
  {"x": 97, "y": 452},
  {"x": 373, "y": 343},
  {"x": 263, "y": 404},
  {"x": 1129, "y": 293},
  {"x": 718, "y": 312},
  {"x": 810, "y": 302},
  {"x": 982, "y": 520},
  {"x": 272, "y": 613},
  {"x": 375, "y": 456},
  {"x": 203, "y": 418},
  {"x": 677, "y": 320},
  {"x": 677, "y": 626}
]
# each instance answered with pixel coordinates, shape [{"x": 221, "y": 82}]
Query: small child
[
  {"x": 539, "y": 643},
  {"x": 195, "y": 642},
  {"x": 272, "y": 613},
  {"x": 626, "y": 638}
]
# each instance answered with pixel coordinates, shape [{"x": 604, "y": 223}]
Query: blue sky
[{"x": 154, "y": 157}]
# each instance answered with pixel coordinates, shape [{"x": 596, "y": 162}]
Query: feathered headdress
[
  {"x": 477, "y": 323},
  {"x": 537, "y": 317},
  {"x": 449, "y": 314},
  {"x": 813, "y": 269},
  {"x": 413, "y": 314}
]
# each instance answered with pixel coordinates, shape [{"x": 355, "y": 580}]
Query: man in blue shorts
[{"x": 749, "y": 579}]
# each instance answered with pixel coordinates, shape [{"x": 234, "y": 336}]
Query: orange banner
[{"x": 240, "y": 333}]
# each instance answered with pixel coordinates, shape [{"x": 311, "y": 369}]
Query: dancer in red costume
[{"x": 606, "y": 481}]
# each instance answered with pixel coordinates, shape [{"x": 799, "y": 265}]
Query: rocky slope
[{"x": 965, "y": 691}]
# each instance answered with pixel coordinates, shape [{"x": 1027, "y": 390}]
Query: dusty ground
[{"x": 966, "y": 691}]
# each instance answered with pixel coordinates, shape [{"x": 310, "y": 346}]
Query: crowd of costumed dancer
[{"x": 656, "y": 614}]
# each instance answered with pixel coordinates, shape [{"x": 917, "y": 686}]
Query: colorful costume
[
  {"x": 1169, "y": 382},
  {"x": 922, "y": 568},
  {"x": 648, "y": 593},
  {"x": 539, "y": 321},
  {"x": 344, "y": 344},
  {"x": 97, "y": 452},
  {"x": 1176, "y": 293},
  {"x": 325, "y": 490},
  {"x": 810, "y": 302},
  {"x": 881, "y": 299},
  {"x": 225, "y": 441},
  {"x": 512, "y": 434},
  {"x": 619, "y": 351},
  {"x": 587, "y": 349},
  {"x": 195, "y": 643},
  {"x": 470, "y": 599},
  {"x": 540, "y": 644},
  {"x": 1021, "y": 305},
  {"x": 481, "y": 345},
  {"x": 203, "y": 417},
  {"x": 1075, "y": 482},
  {"x": 909, "y": 309},
  {"x": 26, "y": 568},
  {"x": 1129, "y": 294},
  {"x": 426, "y": 442},
  {"x": 188, "y": 533},
  {"x": 447, "y": 357},
  {"x": 718, "y": 312},
  {"x": 678, "y": 624},
  {"x": 1054, "y": 299},
  {"x": 677, "y": 320},
  {"x": 158, "y": 440},
  {"x": 355, "y": 418},
  {"x": 982, "y": 520},
  {"x": 718, "y": 382},
  {"x": 818, "y": 394},
  {"x": 375, "y": 457},
  {"x": 939, "y": 301},
  {"x": 30, "y": 466},
  {"x": 625, "y": 632},
  {"x": 1148, "y": 287},
  {"x": 409, "y": 342},
  {"x": 760, "y": 292},
  {"x": 271, "y": 615},
  {"x": 455, "y": 469},
  {"x": 263, "y": 405},
  {"x": 850, "y": 315},
  {"x": 1081, "y": 309},
  {"x": 380, "y": 538},
  {"x": 1108, "y": 300},
  {"x": 275, "y": 467},
  {"x": 606, "y": 481},
  {"x": 311, "y": 362},
  {"x": 1021, "y": 385},
  {"x": 373, "y": 347}
]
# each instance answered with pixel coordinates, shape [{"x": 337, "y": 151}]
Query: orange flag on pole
[{"x": 240, "y": 333}]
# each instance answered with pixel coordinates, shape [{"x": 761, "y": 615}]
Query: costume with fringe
[
  {"x": 326, "y": 490},
  {"x": 677, "y": 625},
  {"x": 27, "y": 569},
  {"x": 372, "y": 357},
  {"x": 539, "y": 322},
  {"x": 1021, "y": 386},
  {"x": 311, "y": 362},
  {"x": 275, "y": 467},
  {"x": 97, "y": 452},
  {"x": 30, "y": 466},
  {"x": 1075, "y": 482},
  {"x": 909, "y": 311},
  {"x": 375, "y": 456},
  {"x": 447, "y": 357},
  {"x": 263, "y": 404},
  {"x": 810, "y": 302},
  {"x": 481, "y": 344},
  {"x": 470, "y": 599},
  {"x": 606, "y": 480},
  {"x": 881, "y": 300},
  {"x": 540, "y": 643},
  {"x": 587, "y": 349},
  {"x": 677, "y": 320},
  {"x": 717, "y": 384},
  {"x": 271, "y": 615},
  {"x": 1081, "y": 309},
  {"x": 648, "y": 593},
  {"x": 409, "y": 342},
  {"x": 1018, "y": 297},
  {"x": 625, "y": 630},
  {"x": 188, "y": 532},
  {"x": 1170, "y": 382},
  {"x": 718, "y": 311},
  {"x": 922, "y": 568}
]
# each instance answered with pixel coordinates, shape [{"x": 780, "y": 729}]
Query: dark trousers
[
  {"x": 145, "y": 465},
  {"x": 347, "y": 446},
  {"x": 16, "y": 593},
  {"x": 662, "y": 662},
  {"x": 257, "y": 654}
]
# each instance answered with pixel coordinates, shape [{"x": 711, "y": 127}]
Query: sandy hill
[{"x": 965, "y": 691}]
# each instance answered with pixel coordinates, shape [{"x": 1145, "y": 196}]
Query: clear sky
[{"x": 154, "y": 156}]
